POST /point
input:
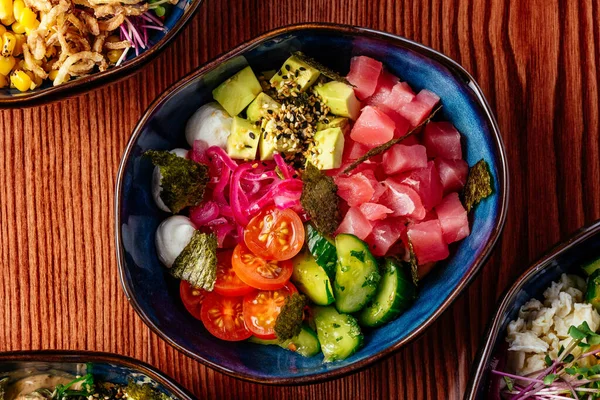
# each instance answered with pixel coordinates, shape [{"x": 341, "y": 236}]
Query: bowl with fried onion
[{"x": 52, "y": 49}]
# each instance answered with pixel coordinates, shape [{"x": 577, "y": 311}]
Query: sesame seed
[
  {"x": 252, "y": 135},
  {"x": 302, "y": 69},
  {"x": 287, "y": 67}
]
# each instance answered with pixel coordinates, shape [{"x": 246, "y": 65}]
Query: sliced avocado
[
  {"x": 295, "y": 71},
  {"x": 242, "y": 143},
  {"x": 328, "y": 147},
  {"x": 267, "y": 145},
  {"x": 337, "y": 122},
  {"x": 238, "y": 91},
  {"x": 260, "y": 107},
  {"x": 340, "y": 98},
  {"x": 269, "y": 74}
]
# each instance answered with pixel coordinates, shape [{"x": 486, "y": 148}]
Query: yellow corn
[
  {"x": 6, "y": 9},
  {"x": 19, "y": 40},
  {"x": 2, "y": 29},
  {"x": 3, "y": 81},
  {"x": 54, "y": 72},
  {"x": 8, "y": 44},
  {"x": 6, "y": 65},
  {"x": 22, "y": 81},
  {"x": 114, "y": 55},
  {"x": 28, "y": 19},
  {"x": 8, "y": 21},
  {"x": 18, "y": 6},
  {"x": 17, "y": 27}
]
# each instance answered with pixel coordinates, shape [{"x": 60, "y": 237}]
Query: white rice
[{"x": 542, "y": 328}]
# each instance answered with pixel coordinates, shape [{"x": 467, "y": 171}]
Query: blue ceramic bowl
[
  {"x": 105, "y": 367},
  {"x": 174, "y": 22},
  {"x": 154, "y": 294},
  {"x": 567, "y": 257}
]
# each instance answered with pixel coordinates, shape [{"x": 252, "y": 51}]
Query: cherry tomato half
[
  {"x": 228, "y": 283},
  {"x": 223, "y": 317},
  {"x": 192, "y": 298},
  {"x": 258, "y": 272},
  {"x": 262, "y": 308},
  {"x": 275, "y": 234}
]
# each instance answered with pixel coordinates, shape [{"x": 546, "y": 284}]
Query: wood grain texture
[{"x": 538, "y": 62}]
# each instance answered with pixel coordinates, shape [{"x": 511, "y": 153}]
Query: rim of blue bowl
[
  {"x": 503, "y": 192},
  {"x": 98, "y": 79},
  {"x": 486, "y": 349},
  {"x": 72, "y": 356}
]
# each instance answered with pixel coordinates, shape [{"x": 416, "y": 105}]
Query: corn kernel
[
  {"x": 18, "y": 6},
  {"x": 114, "y": 55},
  {"x": 3, "y": 81},
  {"x": 6, "y": 9},
  {"x": 17, "y": 27},
  {"x": 19, "y": 40},
  {"x": 6, "y": 65},
  {"x": 52, "y": 76},
  {"x": 8, "y": 21},
  {"x": 28, "y": 19},
  {"x": 21, "y": 81},
  {"x": 111, "y": 38},
  {"x": 8, "y": 44},
  {"x": 2, "y": 29}
]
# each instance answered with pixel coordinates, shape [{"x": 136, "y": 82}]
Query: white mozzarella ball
[
  {"x": 210, "y": 123},
  {"x": 172, "y": 235}
]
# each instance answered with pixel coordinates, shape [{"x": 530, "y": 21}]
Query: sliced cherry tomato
[
  {"x": 192, "y": 298},
  {"x": 228, "y": 283},
  {"x": 223, "y": 317},
  {"x": 258, "y": 272},
  {"x": 275, "y": 234},
  {"x": 262, "y": 308}
]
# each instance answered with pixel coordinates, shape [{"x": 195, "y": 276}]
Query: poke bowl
[
  {"x": 44, "y": 373},
  {"x": 51, "y": 50},
  {"x": 558, "y": 295},
  {"x": 251, "y": 205}
]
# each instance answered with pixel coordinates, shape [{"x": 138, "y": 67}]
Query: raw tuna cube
[
  {"x": 373, "y": 127},
  {"x": 453, "y": 174},
  {"x": 426, "y": 182},
  {"x": 419, "y": 109},
  {"x": 428, "y": 241},
  {"x": 364, "y": 75},
  {"x": 403, "y": 200},
  {"x": 385, "y": 84},
  {"x": 442, "y": 140},
  {"x": 355, "y": 189},
  {"x": 355, "y": 223},
  {"x": 453, "y": 219},
  {"x": 353, "y": 150},
  {"x": 384, "y": 234},
  {"x": 374, "y": 211},
  {"x": 401, "y": 158},
  {"x": 378, "y": 187},
  {"x": 400, "y": 95},
  {"x": 402, "y": 125}
]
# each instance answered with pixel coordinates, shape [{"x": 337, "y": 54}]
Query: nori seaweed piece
[
  {"x": 320, "y": 200},
  {"x": 326, "y": 71},
  {"x": 183, "y": 181},
  {"x": 289, "y": 321},
  {"x": 479, "y": 184},
  {"x": 383, "y": 147},
  {"x": 197, "y": 263}
]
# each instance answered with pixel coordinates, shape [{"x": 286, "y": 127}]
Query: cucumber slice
[
  {"x": 591, "y": 267},
  {"x": 339, "y": 334},
  {"x": 395, "y": 294},
  {"x": 310, "y": 278},
  {"x": 592, "y": 294},
  {"x": 322, "y": 249},
  {"x": 305, "y": 343},
  {"x": 356, "y": 275}
]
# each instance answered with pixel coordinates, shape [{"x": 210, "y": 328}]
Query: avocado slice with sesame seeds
[
  {"x": 260, "y": 107},
  {"x": 337, "y": 122},
  {"x": 238, "y": 91},
  {"x": 267, "y": 145},
  {"x": 340, "y": 99},
  {"x": 242, "y": 143},
  {"x": 297, "y": 73},
  {"x": 327, "y": 149}
]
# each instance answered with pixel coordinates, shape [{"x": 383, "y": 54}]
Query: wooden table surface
[{"x": 538, "y": 63}]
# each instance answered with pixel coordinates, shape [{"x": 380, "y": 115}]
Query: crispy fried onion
[
  {"x": 79, "y": 64},
  {"x": 31, "y": 64}
]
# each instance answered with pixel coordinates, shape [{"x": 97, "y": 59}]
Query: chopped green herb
[
  {"x": 320, "y": 200},
  {"x": 561, "y": 349},
  {"x": 509, "y": 383},
  {"x": 328, "y": 72},
  {"x": 548, "y": 360},
  {"x": 479, "y": 184},
  {"x": 359, "y": 255},
  {"x": 289, "y": 321},
  {"x": 381, "y": 148},
  {"x": 568, "y": 358},
  {"x": 197, "y": 263},
  {"x": 183, "y": 181},
  {"x": 549, "y": 379}
]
